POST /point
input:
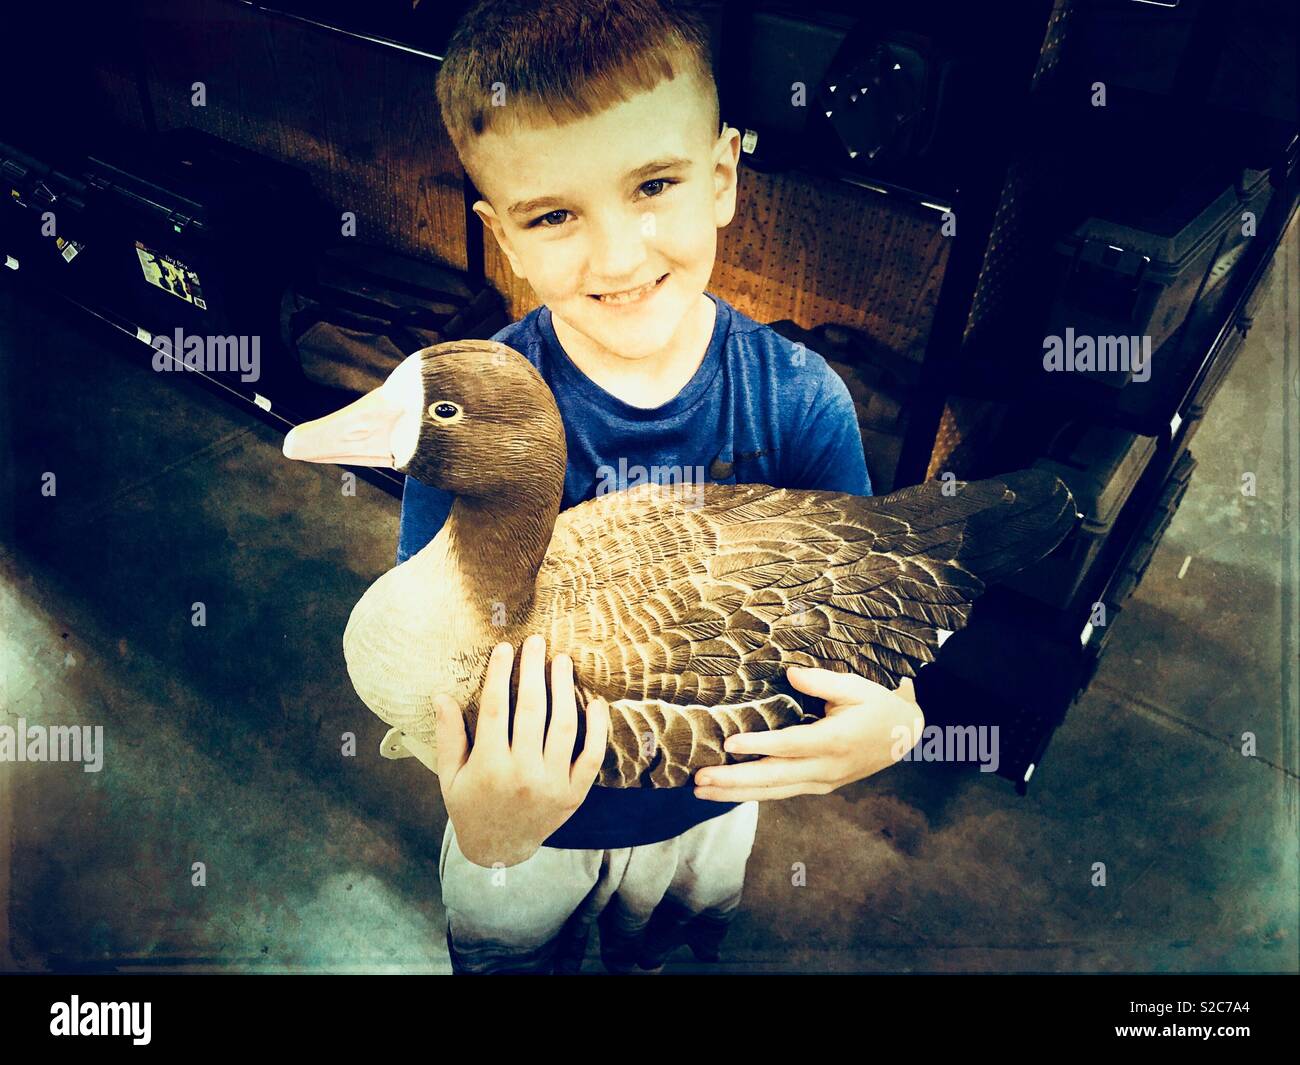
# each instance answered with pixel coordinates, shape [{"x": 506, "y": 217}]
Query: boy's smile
[
  {"x": 613, "y": 220},
  {"x": 629, "y": 297}
]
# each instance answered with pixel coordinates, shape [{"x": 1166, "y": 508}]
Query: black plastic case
[
  {"x": 1139, "y": 271},
  {"x": 1101, "y": 465}
]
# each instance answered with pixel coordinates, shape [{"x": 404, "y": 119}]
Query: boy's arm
[{"x": 825, "y": 449}]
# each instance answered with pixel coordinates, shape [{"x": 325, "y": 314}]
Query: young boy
[{"x": 591, "y": 130}]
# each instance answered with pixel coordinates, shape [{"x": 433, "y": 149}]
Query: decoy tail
[
  {"x": 990, "y": 528},
  {"x": 1035, "y": 513}
]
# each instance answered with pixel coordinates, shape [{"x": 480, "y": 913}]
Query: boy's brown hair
[{"x": 554, "y": 61}]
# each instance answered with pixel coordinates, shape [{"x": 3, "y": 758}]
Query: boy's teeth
[{"x": 627, "y": 297}]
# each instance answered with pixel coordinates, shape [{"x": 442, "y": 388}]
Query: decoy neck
[{"x": 474, "y": 418}]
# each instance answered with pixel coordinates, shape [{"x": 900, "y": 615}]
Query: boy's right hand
[{"x": 508, "y": 796}]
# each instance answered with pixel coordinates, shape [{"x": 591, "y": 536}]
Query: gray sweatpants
[{"x": 535, "y": 917}]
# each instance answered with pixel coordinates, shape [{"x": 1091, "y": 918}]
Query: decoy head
[{"x": 473, "y": 417}]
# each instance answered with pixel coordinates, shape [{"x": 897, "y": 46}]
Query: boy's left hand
[{"x": 858, "y": 737}]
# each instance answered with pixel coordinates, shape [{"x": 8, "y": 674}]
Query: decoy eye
[{"x": 445, "y": 411}]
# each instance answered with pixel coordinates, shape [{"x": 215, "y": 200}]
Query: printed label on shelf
[
  {"x": 170, "y": 275},
  {"x": 68, "y": 248}
]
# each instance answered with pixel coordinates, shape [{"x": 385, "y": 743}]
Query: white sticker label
[
  {"x": 143, "y": 334},
  {"x": 261, "y": 401}
]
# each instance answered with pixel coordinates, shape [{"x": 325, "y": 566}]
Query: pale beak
[{"x": 360, "y": 434}]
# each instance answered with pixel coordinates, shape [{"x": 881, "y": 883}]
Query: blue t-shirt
[{"x": 759, "y": 410}]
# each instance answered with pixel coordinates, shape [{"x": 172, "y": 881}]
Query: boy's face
[{"x": 578, "y": 211}]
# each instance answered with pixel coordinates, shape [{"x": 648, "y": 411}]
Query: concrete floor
[{"x": 223, "y": 742}]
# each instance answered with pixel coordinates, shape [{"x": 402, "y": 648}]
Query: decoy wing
[{"x": 661, "y": 600}]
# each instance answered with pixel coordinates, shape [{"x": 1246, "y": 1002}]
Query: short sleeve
[
  {"x": 424, "y": 511},
  {"x": 826, "y": 450}
]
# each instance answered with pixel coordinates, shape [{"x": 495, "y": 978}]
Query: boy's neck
[{"x": 651, "y": 381}]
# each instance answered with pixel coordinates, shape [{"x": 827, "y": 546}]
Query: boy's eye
[{"x": 663, "y": 183}]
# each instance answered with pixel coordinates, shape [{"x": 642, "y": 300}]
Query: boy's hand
[
  {"x": 857, "y": 737},
  {"x": 510, "y": 794}
]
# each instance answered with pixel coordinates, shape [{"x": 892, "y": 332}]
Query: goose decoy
[{"x": 682, "y": 611}]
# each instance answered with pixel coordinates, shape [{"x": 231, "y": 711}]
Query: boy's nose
[{"x": 618, "y": 255}]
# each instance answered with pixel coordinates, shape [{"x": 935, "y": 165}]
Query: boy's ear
[
  {"x": 484, "y": 210},
  {"x": 726, "y": 161}
]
